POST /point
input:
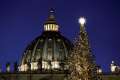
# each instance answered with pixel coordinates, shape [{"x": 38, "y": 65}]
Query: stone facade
[{"x": 49, "y": 76}]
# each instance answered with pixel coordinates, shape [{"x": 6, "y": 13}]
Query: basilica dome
[{"x": 48, "y": 51}]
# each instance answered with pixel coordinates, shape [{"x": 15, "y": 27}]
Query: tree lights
[{"x": 82, "y": 64}]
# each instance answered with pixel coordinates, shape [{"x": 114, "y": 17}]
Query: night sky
[{"x": 22, "y": 20}]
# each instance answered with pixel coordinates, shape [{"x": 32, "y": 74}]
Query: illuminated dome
[{"x": 48, "y": 51}]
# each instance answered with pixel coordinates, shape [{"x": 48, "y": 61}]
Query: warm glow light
[
  {"x": 8, "y": 69},
  {"x": 82, "y": 20},
  {"x": 51, "y": 27},
  {"x": 100, "y": 71},
  {"x": 45, "y": 65},
  {"x": 55, "y": 65},
  {"x": 23, "y": 67},
  {"x": 113, "y": 67},
  {"x": 34, "y": 65}
]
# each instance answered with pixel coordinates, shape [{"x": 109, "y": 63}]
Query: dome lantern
[{"x": 51, "y": 24}]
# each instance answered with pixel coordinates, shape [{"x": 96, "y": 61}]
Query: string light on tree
[{"x": 82, "y": 65}]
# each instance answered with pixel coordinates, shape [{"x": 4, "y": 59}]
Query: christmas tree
[{"x": 81, "y": 61}]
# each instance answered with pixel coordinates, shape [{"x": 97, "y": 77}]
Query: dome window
[
  {"x": 50, "y": 39},
  {"x": 58, "y": 40}
]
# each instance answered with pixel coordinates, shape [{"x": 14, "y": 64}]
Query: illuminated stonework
[
  {"x": 8, "y": 67},
  {"x": 55, "y": 65},
  {"x": 34, "y": 65},
  {"x": 23, "y": 67},
  {"x": 45, "y": 65},
  {"x": 114, "y": 68}
]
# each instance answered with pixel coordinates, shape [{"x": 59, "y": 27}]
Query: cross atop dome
[
  {"x": 52, "y": 12},
  {"x": 51, "y": 24}
]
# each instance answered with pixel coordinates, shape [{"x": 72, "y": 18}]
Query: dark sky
[{"x": 22, "y": 20}]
